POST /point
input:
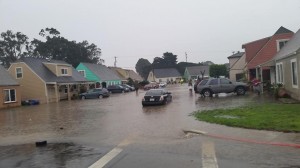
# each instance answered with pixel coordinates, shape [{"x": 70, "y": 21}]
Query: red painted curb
[{"x": 254, "y": 141}]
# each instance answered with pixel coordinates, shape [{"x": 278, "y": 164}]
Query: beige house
[
  {"x": 10, "y": 94},
  {"x": 286, "y": 64},
  {"x": 124, "y": 74},
  {"x": 47, "y": 80},
  {"x": 237, "y": 66},
  {"x": 167, "y": 75}
]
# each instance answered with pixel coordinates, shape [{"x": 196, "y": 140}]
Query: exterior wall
[
  {"x": 237, "y": 68},
  {"x": 287, "y": 77},
  {"x": 13, "y": 104},
  {"x": 51, "y": 67},
  {"x": 69, "y": 70},
  {"x": 32, "y": 87},
  {"x": 89, "y": 75},
  {"x": 169, "y": 79},
  {"x": 151, "y": 77},
  {"x": 186, "y": 74}
]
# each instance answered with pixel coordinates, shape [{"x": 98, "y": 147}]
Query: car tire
[
  {"x": 207, "y": 93},
  {"x": 123, "y": 91},
  {"x": 100, "y": 96},
  {"x": 240, "y": 90},
  {"x": 82, "y": 97}
]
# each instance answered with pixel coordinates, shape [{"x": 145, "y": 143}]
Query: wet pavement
[{"x": 81, "y": 131}]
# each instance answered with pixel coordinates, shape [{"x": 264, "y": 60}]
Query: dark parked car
[
  {"x": 208, "y": 87},
  {"x": 117, "y": 89},
  {"x": 156, "y": 97},
  {"x": 94, "y": 93},
  {"x": 129, "y": 87}
]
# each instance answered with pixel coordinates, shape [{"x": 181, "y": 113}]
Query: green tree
[
  {"x": 170, "y": 59},
  {"x": 60, "y": 48},
  {"x": 218, "y": 70},
  {"x": 13, "y": 46},
  {"x": 143, "y": 67}
]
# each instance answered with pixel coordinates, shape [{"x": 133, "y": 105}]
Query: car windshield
[
  {"x": 203, "y": 82},
  {"x": 154, "y": 92}
]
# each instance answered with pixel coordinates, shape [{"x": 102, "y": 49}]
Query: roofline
[{"x": 243, "y": 45}]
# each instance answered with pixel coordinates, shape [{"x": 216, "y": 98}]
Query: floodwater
[{"x": 71, "y": 126}]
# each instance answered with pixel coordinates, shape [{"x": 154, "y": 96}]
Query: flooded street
[{"x": 81, "y": 131}]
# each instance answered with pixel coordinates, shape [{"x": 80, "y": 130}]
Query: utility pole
[
  {"x": 185, "y": 57},
  {"x": 115, "y": 64}
]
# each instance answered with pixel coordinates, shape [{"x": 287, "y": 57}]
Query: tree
[
  {"x": 170, "y": 59},
  {"x": 218, "y": 70},
  {"x": 57, "y": 47},
  {"x": 13, "y": 46},
  {"x": 143, "y": 67}
]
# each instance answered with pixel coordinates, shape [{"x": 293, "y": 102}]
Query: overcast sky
[{"x": 208, "y": 30}]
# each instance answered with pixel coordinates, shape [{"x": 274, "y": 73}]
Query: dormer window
[
  {"x": 281, "y": 43},
  {"x": 64, "y": 71}
]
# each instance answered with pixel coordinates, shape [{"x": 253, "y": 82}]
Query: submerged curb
[{"x": 242, "y": 140}]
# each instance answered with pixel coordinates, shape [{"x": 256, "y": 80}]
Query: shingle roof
[
  {"x": 236, "y": 55},
  {"x": 292, "y": 46},
  {"x": 6, "y": 79},
  {"x": 37, "y": 65},
  {"x": 283, "y": 30},
  {"x": 118, "y": 71},
  {"x": 196, "y": 70},
  {"x": 133, "y": 75},
  {"x": 103, "y": 72},
  {"x": 166, "y": 72}
]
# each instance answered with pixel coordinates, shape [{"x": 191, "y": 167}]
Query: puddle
[{"x": 228, "y": 117}]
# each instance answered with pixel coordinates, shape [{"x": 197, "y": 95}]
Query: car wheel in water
[
  {"x": 123, "y": 91},
  {"x": 240, "y": 91},
  {"x": 100, "y": 96},
  {"x": 82, "y": 97},
  {"x": 207, "y": 93}
]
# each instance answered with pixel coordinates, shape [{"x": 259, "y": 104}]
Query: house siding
[
  {"x": 89, "y": 75},
  {"x": 69, "y": 70},
  {"x": 13, "y": 104},
  {"x": 293, "y": 92},
  {"x": 32, "y": 87},
  {"x": 51, "y": 67}
]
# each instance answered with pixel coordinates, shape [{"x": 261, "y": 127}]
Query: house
[
  {"x": 164, "y": 75},
  {"x": 237, "y": 65},
  {"x": 134, "y": 76},
  {"x": 100, "y": 74},
  {"x": 286, "y": 63},
  {"x": 10, "y": 95},
  {"x": 121, "y": 73},
  {"x": 263, "y": 50},
  {"x": 46, "y": 80},
  {"x": 196, "y": 71}
]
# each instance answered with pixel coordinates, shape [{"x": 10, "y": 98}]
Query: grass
[{"x": 275, "y": 117}]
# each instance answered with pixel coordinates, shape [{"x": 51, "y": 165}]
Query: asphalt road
[{"x": 119, "y": 132}]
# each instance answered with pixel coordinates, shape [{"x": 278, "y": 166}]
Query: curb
[{"x": 242, "y": 140}]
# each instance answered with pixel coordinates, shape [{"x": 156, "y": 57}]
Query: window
[
  {"x": 213, "y": 82},
  {"x": 64, "y": 71},
  {"x": 66, "y": 89},
  {"x": 281, "y": 43},
  {"x": 279, "y": 73},
  {"x": 19, "y": 72},
  {"x": 9, "y": 95},
  {"x": 82, "y": 72},
  {"x": 294, "y": 73},
  {"x": 225, "y": 81}
]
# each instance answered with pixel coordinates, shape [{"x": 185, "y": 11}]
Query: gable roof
[
  {"x": 291, "y": 47},
  {"x": 264, "y": 50},
  {"x": 37, "y": 65},
  {"x": 283, "y": 30},
  {"x": 133, "y": 75},
  {"x": 103, "y": 72},
  {"x": 118, "y": 71},
  {"x": 236, "y": 55},
  {"x": 6, "y": 79},
  {"x": 196, "y": 70},
  {"x": 166, "y": 72}
]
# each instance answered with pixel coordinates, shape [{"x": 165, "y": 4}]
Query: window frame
[
  {"x": 19, "y": 72},
  {"x": 294, "y": 61},
  {"x": 279, "y": 41},
  {"x": 279, "y": 73},
  {"x": 63, "y": 70},
  {"x": 9, "y": 93},
  {"x": 84, "y": 75}
]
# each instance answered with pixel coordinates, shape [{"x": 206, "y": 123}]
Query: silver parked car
[{"x": 208, "y": 87}]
